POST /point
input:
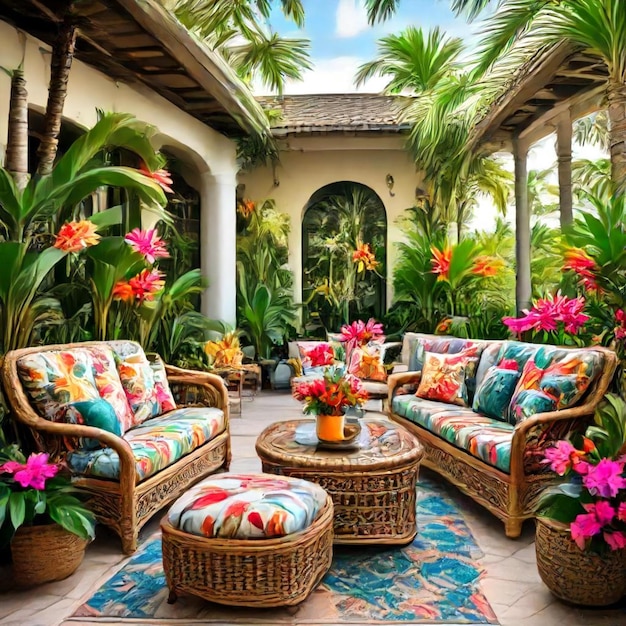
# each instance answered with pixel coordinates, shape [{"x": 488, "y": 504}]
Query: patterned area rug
[{"x": 434, "y": 580}]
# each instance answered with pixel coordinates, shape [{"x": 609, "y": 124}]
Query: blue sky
[{"x": 341, "y": 39}]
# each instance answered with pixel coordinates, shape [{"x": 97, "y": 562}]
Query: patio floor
[{"x": 511, "y": 583}]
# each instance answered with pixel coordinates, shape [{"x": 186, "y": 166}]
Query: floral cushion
[
  {"x": 137, "y": 379},
  {"x": 109, "y": 384},
  {"x": 444, "y": 376},
  {"x": 494, "y": 394},
  {"x": 155, "y": 444},
  {"x": 161, "y": 384},
  {"x": 481, "y": 436},
  {"x": 247, "y": 506},
  {"x": 315, "y": 355},
  {"x": 553, "y": 379},
  {"x": 437, "y": 345},
  {"x": 55, "y": 378},
  {"x": 367, "y": 362}
]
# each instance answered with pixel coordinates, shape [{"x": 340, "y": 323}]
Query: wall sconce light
[
  {"x": 421, "y": 196},
  {"x": 390, "y": 183}
]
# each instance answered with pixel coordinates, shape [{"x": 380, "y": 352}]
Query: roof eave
[{"x": 207, "y": 67}]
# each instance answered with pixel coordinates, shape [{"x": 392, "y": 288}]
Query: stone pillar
[
  {"x": 564, "y": 157},
  {"x": 523, "y": 290},
  {"x": 218, "y": 248}
]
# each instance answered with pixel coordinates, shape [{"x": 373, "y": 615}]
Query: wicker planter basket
[
  {"x": 42, "y": 554},
  {"x": 578, "y": 577},
  {"x": 253, "y": 572}
]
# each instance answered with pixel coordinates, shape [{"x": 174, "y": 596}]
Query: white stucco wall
[
  {"x": 309, "y": 163},
  {"x": 212, "y": 154}
]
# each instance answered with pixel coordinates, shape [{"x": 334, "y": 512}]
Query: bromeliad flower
[
  {"x": 146, "y": 285},
  {"x": 160, "y": 177},
  {"x": 360, "y": 333},
  {"x": 441, "y": 262},
  {"x": 147, "y": 243},
  {"x": 364, "y": 258},
  {"x": 579, "y": 262},
  {"x": 487, "y": 266},
  {"x": 124, "y": 292},
  {"x": 76, "y": 236}
]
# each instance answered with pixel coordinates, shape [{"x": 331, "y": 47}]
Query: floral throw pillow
[
  {"x": 367, "y": 363},
  {"x": 496, "y": 389},
  {"x": 315, "y": 355},
  {"x": 444, "y": 376},
  {"x": 162, "y": 386}
]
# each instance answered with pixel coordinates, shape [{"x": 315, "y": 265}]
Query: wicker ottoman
[{"x": 248, "y": 540}]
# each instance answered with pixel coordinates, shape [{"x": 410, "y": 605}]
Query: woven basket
[
  {"x": 42, "y": 554},
  {"x": 577, "y": 576},
  {"x": 254, "y": 572}
]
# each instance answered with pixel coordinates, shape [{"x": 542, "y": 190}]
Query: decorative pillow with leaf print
[{"x": 161, "y": 384}]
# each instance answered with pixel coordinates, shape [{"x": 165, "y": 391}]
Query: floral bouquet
[
  {"x": 593, "y": 501},
  {"x": 31, "y": 493},
  {"x": 328, "y": 397}
]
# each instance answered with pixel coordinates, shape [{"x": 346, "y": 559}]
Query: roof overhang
[
  {"x": 138, "y": 41},
  {"x": 559, "y": 79}
]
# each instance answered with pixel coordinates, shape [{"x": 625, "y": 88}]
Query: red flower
[
  {"x": 579, "y": 262},
  {"x": 146, "y": 284}
]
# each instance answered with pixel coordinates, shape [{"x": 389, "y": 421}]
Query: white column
[
  {"x": 523, "y": 289},
  {"x": 564, "y": 157},
  {"x": 218, "y": 246}
]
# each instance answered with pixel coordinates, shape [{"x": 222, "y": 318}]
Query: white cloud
[
  {"x": 332, "y": 76},
  {"x": 351, "y": 18}
]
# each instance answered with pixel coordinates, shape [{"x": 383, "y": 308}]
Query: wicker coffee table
[{"x": 372, "y": 483}]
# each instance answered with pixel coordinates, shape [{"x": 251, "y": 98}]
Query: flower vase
[
  {"x": 45, "y": 553},
  {"x": 577, "y": 576},
  {"x": 329, "y": 428}
]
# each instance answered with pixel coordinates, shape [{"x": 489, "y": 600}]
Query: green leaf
[
  {"x": 70, "y": 513},
  {"x": 109, "y": 217},
  {"x": 5, "y": 494},
  {"x": 17, "y": 508}
]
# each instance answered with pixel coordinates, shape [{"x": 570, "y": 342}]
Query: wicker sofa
[
  {"x": 133, "y": 432},
  {"x": 521, "y": 399}
]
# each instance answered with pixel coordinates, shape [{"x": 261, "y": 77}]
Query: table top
[{"x": 381, "y": 444}]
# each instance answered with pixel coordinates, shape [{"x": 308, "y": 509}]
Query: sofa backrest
[{"x": 111, "y": 385}]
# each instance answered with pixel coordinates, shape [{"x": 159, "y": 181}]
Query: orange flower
[
  {"x": 246, "y": 207},
  {"x": 441, "y": 262},
  {"x": 123, "y": 291},
  {"x": 76, "y": 236},
  {"x": 487, "y": 266},
  {"x": 365, "y": 258},
  {"x": 578, "y": 261},
  {"x": 160, "y": 177}
]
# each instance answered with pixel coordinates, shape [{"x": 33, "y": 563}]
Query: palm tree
[{"x": 235, "y": 30}]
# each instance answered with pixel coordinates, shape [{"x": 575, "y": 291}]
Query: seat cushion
[
  {"x": 247, "y": 506},
  {"x": 481, "y": 436},
  {"x": 156, "y": 443}
]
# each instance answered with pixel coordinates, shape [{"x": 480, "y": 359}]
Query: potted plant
[
  {"x": 327, "y": 398},
  {"x": 47, "y": 527},
  {"x": 581, "y": 527}
]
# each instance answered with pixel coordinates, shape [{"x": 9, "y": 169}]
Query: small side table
[{"x": 372, "y": 484}]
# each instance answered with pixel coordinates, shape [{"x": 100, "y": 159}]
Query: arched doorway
[{"x": 344, "y": 239}]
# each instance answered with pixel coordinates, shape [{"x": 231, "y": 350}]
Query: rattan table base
[{"x": 372, "y": 486}]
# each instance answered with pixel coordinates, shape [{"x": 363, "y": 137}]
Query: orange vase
[{"x": 329, "y": 427}]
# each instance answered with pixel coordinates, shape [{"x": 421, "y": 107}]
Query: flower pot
[
  {"x": 330, "y": 427},
  {"x": 45, "y": 553},
  {"x": 574, "y": 575}
]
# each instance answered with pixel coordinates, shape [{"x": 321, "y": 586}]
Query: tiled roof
[{"x": 324, "y": 113}]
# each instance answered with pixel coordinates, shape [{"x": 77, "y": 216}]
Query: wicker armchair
[{"x": 126, "y": 501}]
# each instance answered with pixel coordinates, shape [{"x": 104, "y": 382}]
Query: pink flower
[
  {"x": 620, "y": 331},
  {"x": 360, "y": 334},
  {"x": 584, "y": 527},
  {"x": 33, "y": 473},
  {"x": 605, "y": 479},
  {"x": 148, "y": 243},
  {"x": 621, "y": 512},
  {"x": 616, "y": 539},
  {"x": 160, "y": 177},
  {"x": 562, "y": 457}
]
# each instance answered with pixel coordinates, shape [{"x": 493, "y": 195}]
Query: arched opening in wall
[{"x": 344, "y": 239}]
